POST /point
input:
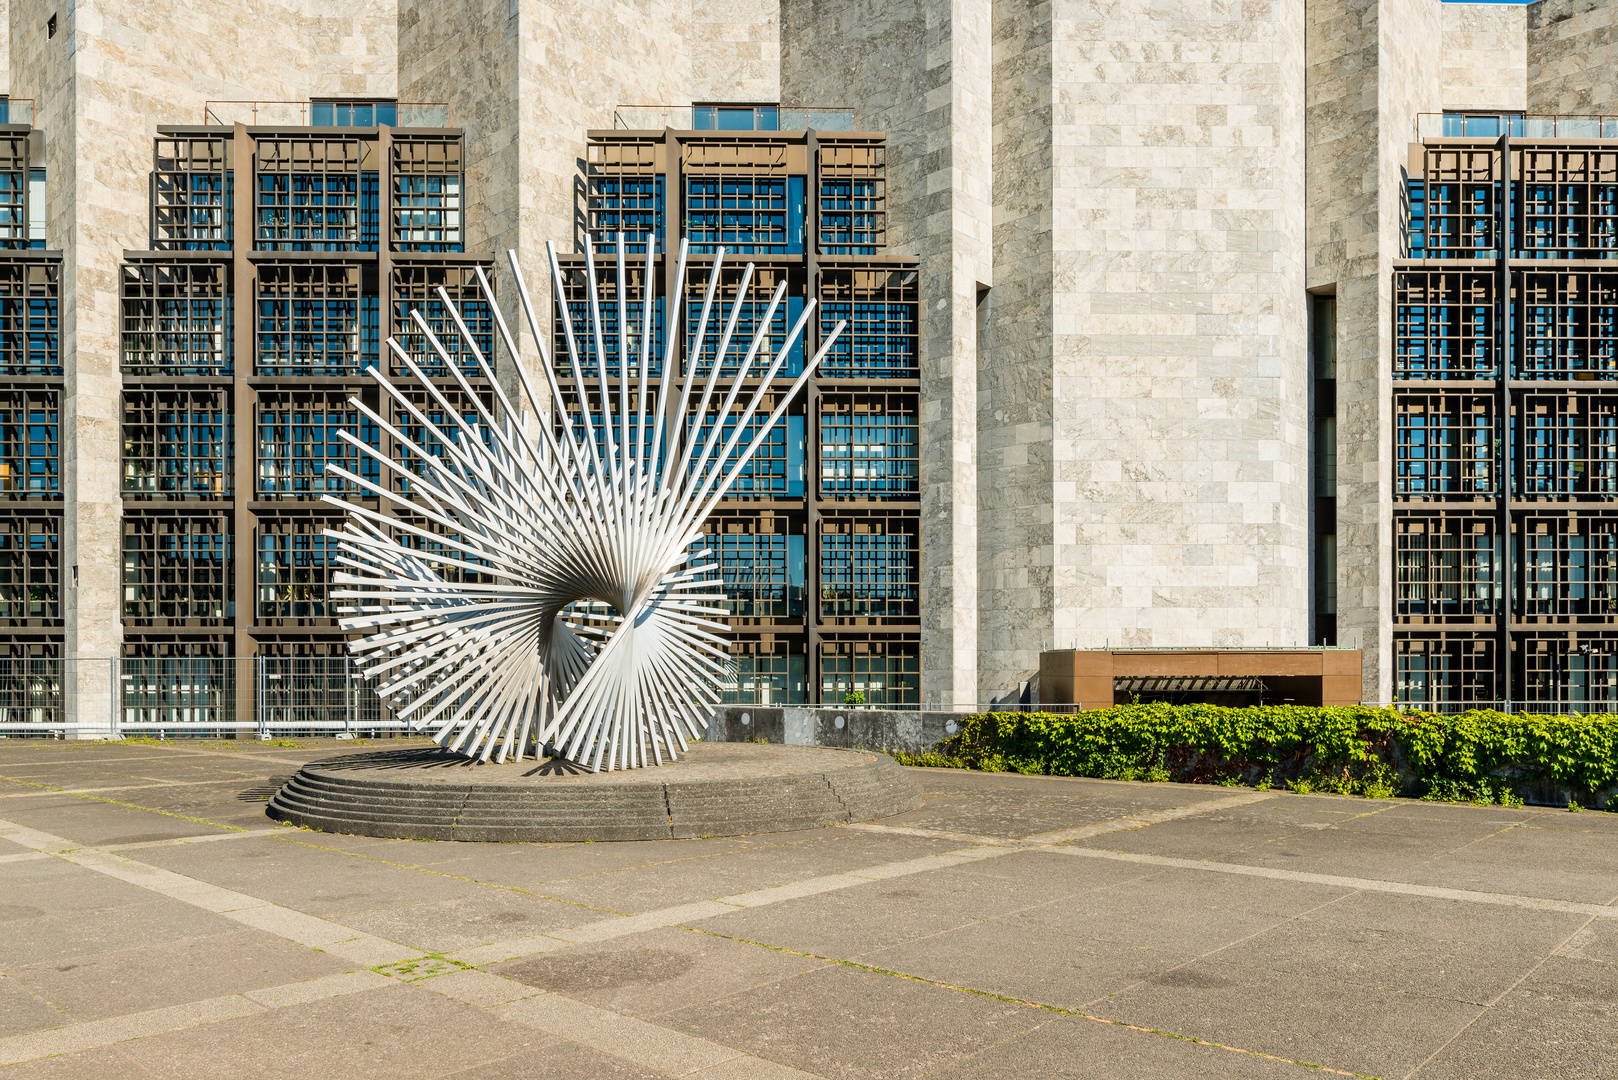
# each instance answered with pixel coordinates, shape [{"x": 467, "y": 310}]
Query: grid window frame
[
  {"x": 30, "y": 444},
  {"x": 1566, "y": 568},
  {"x": 192, "y": 194},
  {"x": 307, "y": 193},
  {"x": 885, "y": 672},
  {"x": 1448, "y": 568},
  {"x": 757, "y": 301},
  {"x": 311, "y": 319},
  {"x": 178, "y": 320},
  {"x": 576, "y": 294},
  {"x": 31, "y": 570},
  {"x": 414, "y": 286},
  {"x": 30, "y": 328},
  {"x": 1461, "y": 196},
  {"x": 177, "y": 570},
  {"x": 1567, "y": 202},
  {"x": 1445, "y": 671},
  {"x": 759, "y": 561},
  {"x": 295, "y": 437},
  {"x": 1445, "y": 326},
  {"x": 869, "y": 570},
  {"x": 882, "y": 308},
  {"x": 1569, "y": 322},
  {"x": 852, "y": 195},
  {"x": 426, "y": 209},
  {"x": 625, "y": 192},
  {"x": 869, "y": 446},
  {"x": 1445, "y": 446},
  {"x": 293, "y": 565},
  {"x": 177, "y": 444}
]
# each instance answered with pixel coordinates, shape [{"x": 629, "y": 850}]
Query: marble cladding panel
[
  {"x": 1573, "y": 57},
  {"x": 1179, "y": 429},
  {"x": 1014, "y": 403},
  {"x": 1485, "y": 56},
  {"x": 735, "y": 50},
  {"x": 466, "y": 54},
  {"x": 1374, "y": 65},
  {"x": 919, "y": 70}
]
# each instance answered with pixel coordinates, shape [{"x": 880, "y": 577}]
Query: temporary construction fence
[{"x": 206, "y": 696}]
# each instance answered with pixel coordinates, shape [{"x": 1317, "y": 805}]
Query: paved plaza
[{"x": 154, "y": 923}]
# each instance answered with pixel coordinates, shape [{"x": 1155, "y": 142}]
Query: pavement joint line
[
  {"x": 24, "y": 856},
  {"x": 93, "y": 1034},
  {"x": 1435, "y": 892},
  {"x": 625, "y": 1037},
  {"x": 118, "y": 787},
  {"x": 533, "y": 944},
  {"x": 1058, "y": 1009},
  {"x": 209, "y": 838}
]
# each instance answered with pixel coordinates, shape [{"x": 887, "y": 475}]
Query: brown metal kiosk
[{"x": 1097, "y": 678}]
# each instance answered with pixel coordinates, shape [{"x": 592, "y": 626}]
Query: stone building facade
[{"x": 1158, "y": 254}]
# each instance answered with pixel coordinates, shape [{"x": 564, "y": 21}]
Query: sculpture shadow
[
  {"x": 557, "y": 766},
  {"x": 415, "y": 757}
]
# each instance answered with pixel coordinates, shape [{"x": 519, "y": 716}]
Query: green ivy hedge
[{"x": 1480, "y": 756}]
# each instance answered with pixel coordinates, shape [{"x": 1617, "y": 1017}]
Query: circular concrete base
[{"x": 718, "y": 789}]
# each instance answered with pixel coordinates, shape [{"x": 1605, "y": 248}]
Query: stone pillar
[
  {"x": 1373, "y": 66},
  {"x": 919, "y": 70}
]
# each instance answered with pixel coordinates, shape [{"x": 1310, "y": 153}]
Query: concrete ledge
[
  {"x": 716, "y": 790},
  {"x": 891, "y": 732}
]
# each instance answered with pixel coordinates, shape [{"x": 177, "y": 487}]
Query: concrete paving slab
[
  {"x": 1431, "y": 947},
  {"x": 1073, "y": 1048},
  {"x": 86, "y": 821},
  {"x": 157, "y": 921},
  {"x": 106, "y": 1063},
  {"x": 1532, "y": 1035},
  {"x": 997, "y": 804},
  {"x": 94, "y": 986},
  {"x": 648, "y": 888},
  {"x": 460, "y": 922},
  {"x": 1237, "y": 829},
  {"x": 387, "y": 1033},
  {"x": 1033, "y": 924},
  {"x": 841, "y": 1022},
  {"x": 1584, "y": 969},
  {"x": 1030, "y": 964},
  {"x": 1339, "y": 1025},
  {"x": 1566, "y": 864},
  {"x": 560, "y": 1060},
  {"x": 1145, "y": 913},
  {"x": 525, "y": 866},
  {"x": 851, "y": 922},
  {"x": 656, "y": 972},
  {"x": 309, "y": 879},
  {"x": 23, "y": 1011},
  {"x": 1211, "y": 889}
]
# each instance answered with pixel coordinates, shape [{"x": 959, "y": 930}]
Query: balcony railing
[
  {"x": 405, "y": 114},
  {"x": 1488, "y": 125},
  {"x": 17, "y": 111},
  {"x": 731, "y": 118}
]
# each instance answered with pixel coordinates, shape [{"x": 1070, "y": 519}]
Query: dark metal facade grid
[
  {"x": 817, "y": 608},
  {"x": 245, "y": 336},
  {"x": 1506, "y": 426}
]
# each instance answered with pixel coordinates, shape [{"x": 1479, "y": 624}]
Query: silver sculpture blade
[{"x": 555, "y": 596}]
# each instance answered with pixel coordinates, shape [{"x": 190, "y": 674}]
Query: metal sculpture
[{"x": 545, "y": 589}]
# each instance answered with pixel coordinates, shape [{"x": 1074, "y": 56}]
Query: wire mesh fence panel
[
  {"x": 189, "y": 695},
  {"x": 319, "y": 695},
  {"x": 31, "y": 696}
]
